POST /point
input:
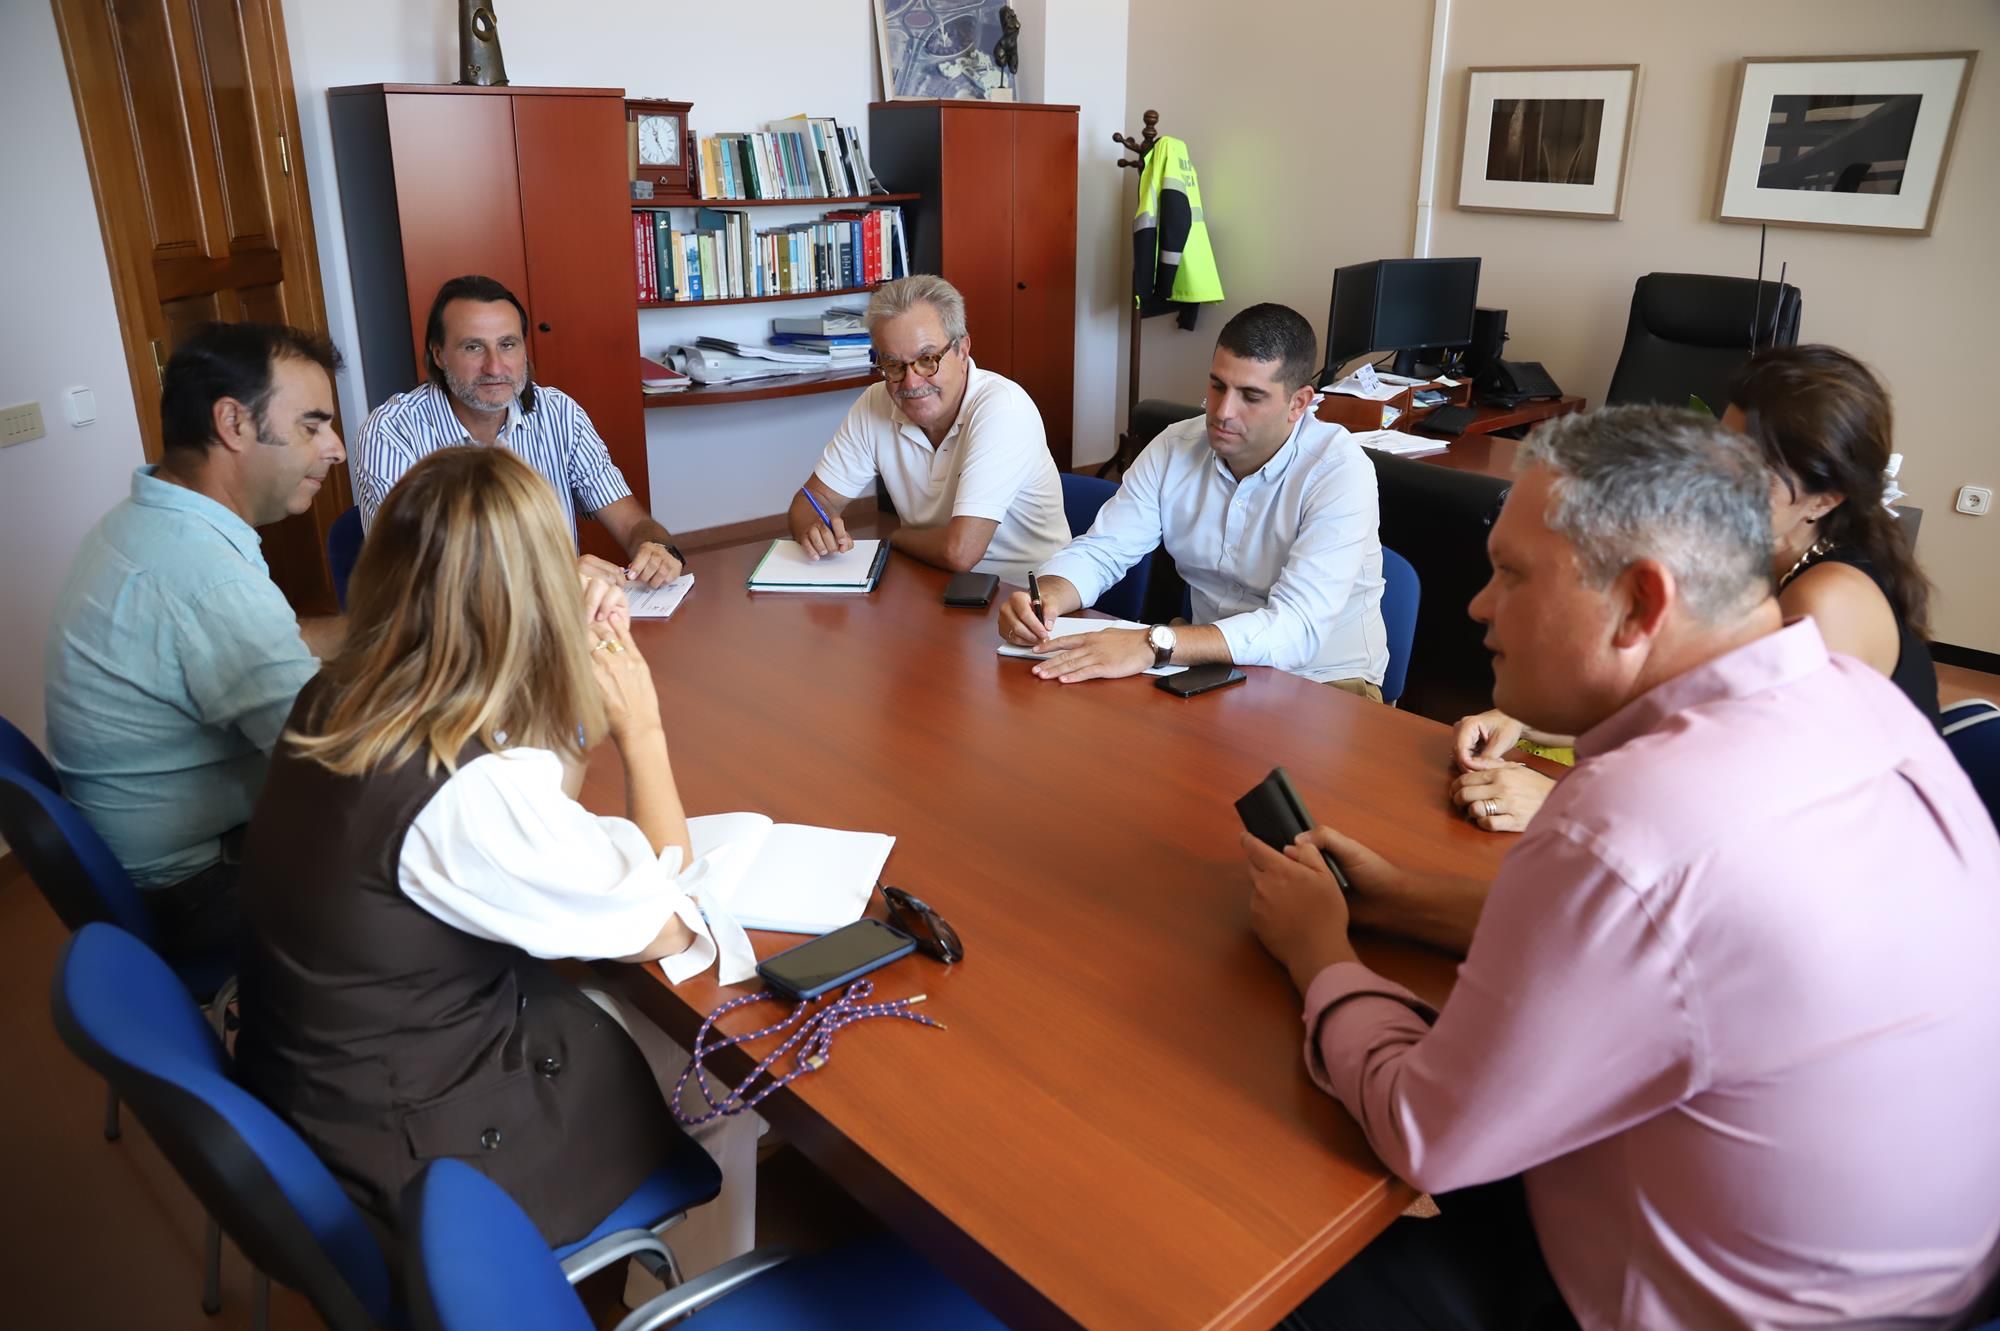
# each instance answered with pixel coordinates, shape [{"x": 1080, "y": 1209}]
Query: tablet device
[
  {"x": 1274, "y": 814},
  {"x": 833, "y": 959}
]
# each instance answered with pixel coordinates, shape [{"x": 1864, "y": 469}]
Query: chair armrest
[{"x": 705, "y": 1289}]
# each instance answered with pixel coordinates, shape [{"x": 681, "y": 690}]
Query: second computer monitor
[{"x": 1399, "y": 305}]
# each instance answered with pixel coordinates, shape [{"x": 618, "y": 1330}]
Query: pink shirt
[{"x": 1733, "y": 1007}]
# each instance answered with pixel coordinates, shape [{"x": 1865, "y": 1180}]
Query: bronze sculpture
[
  {"x": 480, "y": 64},
  {"x": 1007, "y": 51}
]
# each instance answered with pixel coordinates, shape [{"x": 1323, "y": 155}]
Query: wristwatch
[
  {"x": 1160, "y": 638},
  {"x": 675, "y": 551}
]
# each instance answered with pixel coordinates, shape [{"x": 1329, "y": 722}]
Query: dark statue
[
  {"x": 1007, "y": 51},
  {"x": 479, "y": 62}
]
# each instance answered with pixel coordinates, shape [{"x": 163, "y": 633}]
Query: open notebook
[
  {"x": 786, "y": 876},
  {"x": 1069, "y": 625},
  {"x": 785, "y": 568}
]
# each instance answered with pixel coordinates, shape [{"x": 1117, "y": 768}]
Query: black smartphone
[
  {"x": 1275, "y": 815},
  {"x": 831, "y": 960},
  {"x": 1200, "y": 679},
  {"x": 971, "y": 589}
]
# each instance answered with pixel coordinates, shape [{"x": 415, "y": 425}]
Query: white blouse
[{"x": 503, "y": 853}]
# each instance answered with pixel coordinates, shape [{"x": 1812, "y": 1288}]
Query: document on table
[
  {"x": 658, "y": 602},
  {"x": 785, "y": 568},
  {"x": 783, "y": 876},
  {"x": 1068, "y": 626},
  {"x": 1401, "y": 444}
]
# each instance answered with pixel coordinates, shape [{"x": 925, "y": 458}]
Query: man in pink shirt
[{"x": 1731, "y": 1010}]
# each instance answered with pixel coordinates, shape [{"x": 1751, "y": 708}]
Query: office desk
[{"x": 1116, "y": 1130}]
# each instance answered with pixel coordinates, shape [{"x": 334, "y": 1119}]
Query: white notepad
[
  {"x": 1070, "y": 625},
  {"x": 785, "y": 568},
  {"x": 658, "y": 602},
  {"x": 786, "y": 876}
]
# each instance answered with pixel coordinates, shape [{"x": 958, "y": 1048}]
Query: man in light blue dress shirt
[
  {"x": 1270, "y": 515},
  {"x": 173, "y": 660}
]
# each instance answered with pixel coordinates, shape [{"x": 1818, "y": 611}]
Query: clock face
[{"x": 659, "y": 140}]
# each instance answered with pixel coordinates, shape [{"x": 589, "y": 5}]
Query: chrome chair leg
[
  {"x": 112, "y": 1131},
  {"x": 211, "y": 1281}
]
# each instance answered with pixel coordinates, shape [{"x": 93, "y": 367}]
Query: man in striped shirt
[{"x": 476, "y": 349}]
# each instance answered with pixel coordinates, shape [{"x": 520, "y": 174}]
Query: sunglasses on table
[{"x": 934, "y": 938}]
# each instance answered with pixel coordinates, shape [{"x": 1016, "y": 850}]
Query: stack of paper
[
  {"x": 705, "y": 365},
  {"x": 786, "y": 568},
  {"x": 1400, "y": 444},
  {"x": 783, "y": 876},
  {"x": 1070, "y": 625}
]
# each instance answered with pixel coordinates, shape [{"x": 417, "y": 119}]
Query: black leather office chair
[{"x": 1689, "y": 332}]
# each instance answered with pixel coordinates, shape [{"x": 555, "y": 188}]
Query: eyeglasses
[
  {"x": 925, "y": 365},
  {"x": 914, "y": 917}
]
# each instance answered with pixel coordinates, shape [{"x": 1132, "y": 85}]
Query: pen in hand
[
  {"x": 816, "y": 508},
  {"x": 1035, "y": 604}
]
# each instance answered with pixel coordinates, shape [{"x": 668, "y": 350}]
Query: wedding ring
[{"x": 1492, "y": 806}]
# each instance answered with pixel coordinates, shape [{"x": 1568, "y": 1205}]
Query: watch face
[{"x": 659, "y": 141}]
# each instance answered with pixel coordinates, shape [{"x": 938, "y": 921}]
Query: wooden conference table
[{"x": 1116, "y": 1130}]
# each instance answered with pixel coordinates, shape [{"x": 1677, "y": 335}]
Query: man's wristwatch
[
  {"x": 675, "y": 551},
  {"x": 1160, "y": 638}
]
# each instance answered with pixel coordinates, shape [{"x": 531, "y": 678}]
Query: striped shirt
[{"x": 556, "y": 439}]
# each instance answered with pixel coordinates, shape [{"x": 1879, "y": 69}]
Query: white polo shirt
[{"x": 994, "y": 463}]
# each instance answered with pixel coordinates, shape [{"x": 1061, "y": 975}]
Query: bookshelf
[
  {"x": 756, "y": 390},
  {"x": 753, "y": 300}
]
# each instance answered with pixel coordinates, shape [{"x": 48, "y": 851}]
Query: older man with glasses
[{"x": 960, "y": 450}]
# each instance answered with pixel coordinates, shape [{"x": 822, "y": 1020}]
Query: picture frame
[
  {"x": 1553, "y": 140},
  {"x": 939, "y": 49},
  {"x": 1843, "y": 143}
]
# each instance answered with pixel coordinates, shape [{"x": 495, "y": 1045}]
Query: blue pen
[{"x": 816, "y": 508}]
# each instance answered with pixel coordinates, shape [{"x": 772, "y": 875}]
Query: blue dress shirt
[{"x": 172, "y": 663}]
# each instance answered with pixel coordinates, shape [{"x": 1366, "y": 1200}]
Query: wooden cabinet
[
  {"x": 997, "y": 218},
  {"x": 524, "y": 185}
]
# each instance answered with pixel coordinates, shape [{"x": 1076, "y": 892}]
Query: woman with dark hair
[{"x": 1823, "y": 422}]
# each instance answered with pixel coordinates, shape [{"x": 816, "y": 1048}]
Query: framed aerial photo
[
  {"x": 939, "y": 48},
  {"x": 1553, "y": 139},
  {"x": 1855, "y": 143}
]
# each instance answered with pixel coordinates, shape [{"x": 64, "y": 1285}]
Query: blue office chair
[
  {"x": 1401, "y": 593},
  {"x": 1082, "y": 497},
  {"x": 472, "y": 1264},
  {"x": 1972, "y": 729},
  {"x": 25, "y": 756},
  {"x": 122, "y": 1012},
  {"x": 343, "y": 547}
]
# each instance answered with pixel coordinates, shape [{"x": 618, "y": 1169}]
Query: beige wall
[
  {"x": 1919, "y": 309},
  {"x": 1305, "y": 121}
]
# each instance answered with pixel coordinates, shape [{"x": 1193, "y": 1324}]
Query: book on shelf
[
  {"x": 722, "y": 256},
  {"x": 850, "y": 342},
  {"x": 833, "y": 321},
  {"x": 802, "y": 157},
  {"x": 657, "y": 378}
]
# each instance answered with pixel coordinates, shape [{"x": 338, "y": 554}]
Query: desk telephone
[{"x": 1512, "y": 382}]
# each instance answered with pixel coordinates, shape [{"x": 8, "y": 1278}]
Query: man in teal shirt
[{"x": 173, "y": 660}]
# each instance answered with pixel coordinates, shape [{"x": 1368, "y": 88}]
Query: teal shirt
[{"x": 172, "y": 664}]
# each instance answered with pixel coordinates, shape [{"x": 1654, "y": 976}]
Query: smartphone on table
[
  {"x": 971, "y": 589},
  {"x": 832, "y": 960},
  {"x": 1200, "y": 679}
]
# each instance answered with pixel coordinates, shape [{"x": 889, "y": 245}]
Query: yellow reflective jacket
[{"x": 1172, "y": 265}]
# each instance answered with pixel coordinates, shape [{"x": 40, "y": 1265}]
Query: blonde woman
[{"x": 417, "y": 856}]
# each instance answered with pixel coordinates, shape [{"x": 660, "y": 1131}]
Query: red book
[
  {"x": 641, "y": 255},
  {"x": 657, "y": 378}
]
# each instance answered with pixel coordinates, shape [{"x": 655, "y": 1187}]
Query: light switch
[
  {"x": 20, "y": 424},
  {"x": 81, "y": 404}
]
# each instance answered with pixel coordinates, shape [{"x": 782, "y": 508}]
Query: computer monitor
[{"x": 1399, "y": 305}]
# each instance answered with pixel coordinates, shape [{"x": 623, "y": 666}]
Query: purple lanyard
[{"x": 812, "y": 1038}]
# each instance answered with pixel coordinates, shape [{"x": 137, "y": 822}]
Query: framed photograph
[
  {"x": 1553, "y": 140},
  {"x": 1856, "y": 143},
  {"x": 939, "y": 48}
]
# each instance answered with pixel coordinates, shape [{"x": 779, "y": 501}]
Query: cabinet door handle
[
  {"x": 1020, "y": 286},
  {"x": 542, "y": 327}
]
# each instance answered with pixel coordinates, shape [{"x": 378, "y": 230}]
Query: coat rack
[{"x": 1139, "y": 146}]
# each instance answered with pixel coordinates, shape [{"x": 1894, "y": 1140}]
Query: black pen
[{"x": 1035, "y": 602}]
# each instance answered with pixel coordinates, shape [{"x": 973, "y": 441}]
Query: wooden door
[
  {"x": 191, "y": 134},
  {"x": 576, "y": 228},
  {"x": 1044, "y": 295},
  {"x": 458, "y": 196},
  {"x": 976, "y": 222}
]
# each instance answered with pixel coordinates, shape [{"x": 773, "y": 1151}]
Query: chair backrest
[
  {"x": 1972, "y": 729},
  {"x": 1401, "y": 594},
  {"x": 343, "y": 547},
  {"x": 1082, "y": 497},
  {"x": 25, "y": 756},
  {"x": 73, "y": 869},
  {"x": 123, "y": 1012},
  {"x": 1688, "y": 333},
  {"x": 472, "y": 1260}
]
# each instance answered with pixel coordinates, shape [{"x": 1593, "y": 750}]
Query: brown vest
[{"x": 388, "y": 1038}]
